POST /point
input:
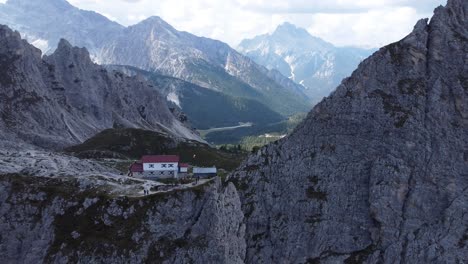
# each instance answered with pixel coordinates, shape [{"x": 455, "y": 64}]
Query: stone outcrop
[
  {"x": 65, "y": 98},
  {"x": 378, "y": 172},
  {"x": 58, "y": 221}
]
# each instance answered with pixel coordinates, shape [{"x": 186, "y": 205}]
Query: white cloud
[
  {"x": 374, "y": 28},
  {"x": 369, "y": 23}
]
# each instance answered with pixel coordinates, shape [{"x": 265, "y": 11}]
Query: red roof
[
  {"x": 160, "y": 158},
  {"x": 183, "y": 165},
  {"x": 136, "y": 167}
]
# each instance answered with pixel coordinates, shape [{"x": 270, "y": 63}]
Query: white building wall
[
  {"x": 204, "y": 170},
  {"x": 160, "y": 174},
  {"x": 159, "y": 166}
]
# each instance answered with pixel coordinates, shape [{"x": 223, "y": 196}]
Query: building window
[
  {"x": 164, "y": 166},
  {"x": 151, "y": 166},
  {"x": 161, "y": 173},
  {"x": 171, "y": 165}
]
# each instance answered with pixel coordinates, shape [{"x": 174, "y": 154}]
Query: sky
[{"x": 362, "y": 23}]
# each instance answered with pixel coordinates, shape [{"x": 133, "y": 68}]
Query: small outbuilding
[
  {"x": 135, "y": 169},
  {"x": 205, "y": 172},
  {"x": 183, "y": 167}
]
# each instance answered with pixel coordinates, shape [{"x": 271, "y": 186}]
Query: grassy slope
[
  {"x": 276, "y": 97},
  {"x": 134, "y": 143},
  {"x": 221, "y": 110},
  {"x": 207, "y": 108}
]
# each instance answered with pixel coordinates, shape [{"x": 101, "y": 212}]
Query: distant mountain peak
[
  {"x": 156, "y": 21},
  {"x": 288, "y": 28},
  {"x": 156, "y": 25},
  {"x": 310, "y": 61},
  {"x": 287, "y": 25},
  {"x": 60, "y": 4}
]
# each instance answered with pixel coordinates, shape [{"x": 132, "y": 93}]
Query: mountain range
[
  {"x": 218, "y": 109},
  {"x": 45, "y": 22},
  {"x": 376, "y": 173},
  {"x": 155, "y": 46},
  {"x": 305, "y": 59},
  {"x": 64, "y": 98}
]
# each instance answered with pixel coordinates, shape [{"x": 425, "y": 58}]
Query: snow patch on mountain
[
  {"x": 173, "y": 97},
  {"x": 41, "y": 44}
]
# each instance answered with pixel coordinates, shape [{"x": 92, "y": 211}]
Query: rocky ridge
[
  {"x": 377, "y": 173},
  {"x": 64, "y": 98}
]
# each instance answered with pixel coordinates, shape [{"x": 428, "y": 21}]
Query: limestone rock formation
[
  {"x": 60, "y": 221},
  {"x": 378, "y": 172},
  {"x": 65, "y": 98}
]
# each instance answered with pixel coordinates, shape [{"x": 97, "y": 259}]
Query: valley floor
[{"x": 218, "y": 129}]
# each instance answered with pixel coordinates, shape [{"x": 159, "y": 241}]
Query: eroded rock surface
[
  {"x": 52, "y": 220},
  {"x": 378, "y": 172},
  {"x": 65, "y": 98}
]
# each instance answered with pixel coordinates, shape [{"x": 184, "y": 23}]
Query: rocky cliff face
[
  {"x": 62, "y": 221},
  {"x": 65, "y": 98},
  {"x": 378, "y": 172},
  {"x": 308, "y": 60}
]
